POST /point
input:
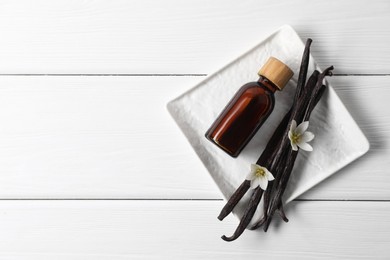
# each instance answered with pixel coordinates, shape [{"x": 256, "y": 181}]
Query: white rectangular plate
[{"x": 338, "y": 140}]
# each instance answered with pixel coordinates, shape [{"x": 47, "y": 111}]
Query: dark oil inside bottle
[{"x": 243, "y": 116}]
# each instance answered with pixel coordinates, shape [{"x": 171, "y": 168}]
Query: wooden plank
[
  {"x": 95, "y": 137},
  {"x": 111, "y": 137},
  {"x": 188, "y": 230},
  {"x": 172, "y": 37}
]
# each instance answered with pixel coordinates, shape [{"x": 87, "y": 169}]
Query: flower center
[
  {"x": 296, "y": 138},
  {"x": 260, "y": 173}
]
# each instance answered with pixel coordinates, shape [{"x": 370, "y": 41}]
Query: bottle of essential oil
[{"x": 249, "y": 108}]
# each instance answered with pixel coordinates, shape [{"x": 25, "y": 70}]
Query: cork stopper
[{"x": 277, "y": 72}]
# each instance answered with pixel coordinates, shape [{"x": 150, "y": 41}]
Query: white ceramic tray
[{"x": 338, "y": 140}]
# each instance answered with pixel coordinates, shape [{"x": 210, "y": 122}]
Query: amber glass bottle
[{"x": 249, "y": 108}]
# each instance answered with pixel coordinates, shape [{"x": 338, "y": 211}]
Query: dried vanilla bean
[
  {"x": 276, "y": 202},
  {"x": 247, "y": 217},
  {"x": 304, "y": 67},
  {"x": 278, "y": 156},
  {"x": 283, "y": 142},
  {"x": 234, "y": 199},
  {"x": 267, "y": 158},
  {"x": 302, "y": 113}
]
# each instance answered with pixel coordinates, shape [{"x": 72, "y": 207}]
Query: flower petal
[
  {"x": 263, "y": 183},
  {"x": 302, "y": 127},
  {"x": 293, "y": 125},
  {"x": 294, "y": 146},
  {"x": 254, "y": 183},
  {"x": 290, "y": 135},
  {"x": 250, "y": 176},
  {"x": 269, "y": 176},
  {"x": 307, "y": 137},
  {"x": 305, "y": 146},
  {"x": 254, "y": 167}
]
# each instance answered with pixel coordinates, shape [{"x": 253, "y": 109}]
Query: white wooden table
[{"x": 93, "y": 167}]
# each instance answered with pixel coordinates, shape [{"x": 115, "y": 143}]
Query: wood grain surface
[
  {"x": 93, "y": 167},
  {"x": 173, "y": 36},
  {"x": 112, "y": 137},
  {"x": 188, "y": 230}
]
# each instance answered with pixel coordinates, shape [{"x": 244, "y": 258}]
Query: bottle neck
[{"x": 267, "y": 84}]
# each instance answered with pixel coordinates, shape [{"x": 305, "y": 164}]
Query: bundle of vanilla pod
[{"x": 279, "y": 155}]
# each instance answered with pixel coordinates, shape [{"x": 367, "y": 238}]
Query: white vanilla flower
[
  {"x": 299, "y": 136},
  {"x": 259, "y": 176}
]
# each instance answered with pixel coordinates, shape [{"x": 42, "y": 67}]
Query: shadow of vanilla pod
[{"x": 269, "y": 176}]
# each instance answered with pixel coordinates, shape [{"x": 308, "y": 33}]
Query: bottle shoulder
[{"x": 255, "y": 89}]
